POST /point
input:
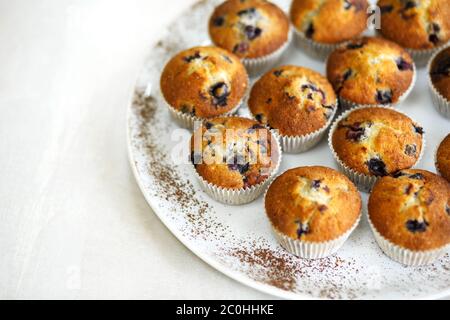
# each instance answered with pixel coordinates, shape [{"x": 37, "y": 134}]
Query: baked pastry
[
  {"x": 371, "y": 71},
  {"x": 202, "y": 83},
  {"x": 439, "y": 80},
  {"x": 312, "y": 210},
  {"x": 251, "y": 29},
  {"x": 322, "y": 25},
  {"x": 234, "y": 158},
  {"x": 298, "y": 102},
  {"x": 374, "y": 142},
  {"x": 410, "y": 216},
  {"x": 443, "y": 158},
  {"x": 420, "y": 26}
]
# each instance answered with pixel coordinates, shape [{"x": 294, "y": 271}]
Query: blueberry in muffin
[
  {"x": 409, "y": 215},
  {"x": 204, "y": 82},
  {"x": 312, "y": 210},
  {"x": 376, "y": 142},
  {"x": 249, "y": 28},
  {"x": 332, "y": 21},
  {"x": 371, "y": 71},
  {"x": 415, "y": 24},
  {"x": 297, "y": 102},
  {"x": 234, "y": 153}
]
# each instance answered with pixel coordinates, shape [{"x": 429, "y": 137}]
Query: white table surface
[{"x": 73, "y": 223}]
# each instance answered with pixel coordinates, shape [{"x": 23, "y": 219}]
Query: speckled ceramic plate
[{"x": 238, "y": 240}]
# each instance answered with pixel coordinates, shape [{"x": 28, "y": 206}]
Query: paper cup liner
[
  {"x": 310, "y": 250},
  {"x": 299, "y": 144},
  {"x": 257, "y": 66},
  {"x": 345, "y": 104},
  {"x": 422, "y": 57},
  {"x": 436, "y": 164},
  {"x": 405, "y": 256},
  {"x": 188, "y": 121},
  {"x": 440, "y": 102},
  {"x": 364, "y": 182},
  {"x": 240, "y": 196},
  {"x": 317, "y": 50}
]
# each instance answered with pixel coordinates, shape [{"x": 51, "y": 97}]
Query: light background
[{"x": 73, "y": 223}]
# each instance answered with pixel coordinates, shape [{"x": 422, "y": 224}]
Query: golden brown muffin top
[
  {"x": 440, "y": 72},
  {"x": 377, "y": 141},
  {"x": 416, "y": 24},
  {"x": 204, "y": 82},
  {"x": 371, "y": 71},
  {"x": 313, "y": 204},
  {"x": 249, "y": 28},
  {"x": 412, "y": 210},
  {"x": 443, "y": 158},
  {"x": 234, "y": 152},
  {"x": 330, "y": 21},
  {"x": 295, "y": 100}
]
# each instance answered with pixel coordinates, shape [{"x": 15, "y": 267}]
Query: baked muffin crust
[
  {"x": 234, "y": 152},
  {"x": 294, "y": 100},
  {"x": 416, "y": 24},
  {"x": 412, "y": 209},
  {"x": 249, "y": 28},
  {"x": 443, "y": 158},
  {"x": 440, "y": 73},
  {"x": 204, "y": 82},
  {"x": 377, "y": 141},
  {"x": 313, "y": 204},
  {"x": 370, "y": 71},
  {"x": 330, "y": 21}
]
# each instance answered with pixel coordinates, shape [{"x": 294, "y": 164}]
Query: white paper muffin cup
[
  {"x": 364, "y": 182},
  {"x": 257, "y": 66},
  {"x": 240, "y": 196},
  {"x": 188, "y": 121},
  {"x": 439, "y": 101},
  {"x": 421, "y": 57},
  {"x": 317, "y": 50},
  {"x": 405, "y": 256},
  {"x": 299, "y": 144},
  {"x": 311, "y": 250},
  {"x": 345, "y": 104}
]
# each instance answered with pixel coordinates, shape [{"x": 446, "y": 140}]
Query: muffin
[
  {"x": 410, "y": 216},
  {"x": 371, "y": 71},
  {"x": 439, "y": 80},
  {"x": 321, "y": 26},
  {"x": 202, "y": 83},
  {"x": 298, "y": 102},
  {"x": 418, "y": 26},
  {"x": 373, "y": 142},
  {"x": 313, "y": 210},
  {"x": 234, "y": 158},
  {"x": 256, "y": 31},
  {"x": 443, "y": 158}
]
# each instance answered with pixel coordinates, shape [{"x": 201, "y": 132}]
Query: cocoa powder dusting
[{"x": 171, "y": 186}]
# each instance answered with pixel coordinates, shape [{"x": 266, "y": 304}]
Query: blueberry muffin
[
  {"x": 375, "y": 142},
  {"x": 416, "y": 24},
  {"x": 443, "y": 158},
  {"x": 234, "y": 154},
  {"x": 371, "y": 71},
  {"x": 202, "y": 83},
  {"x": 296, "y": 101},
  {"x": 439, "y": 80},
  {"x": 410, "y": 216},
  {"x": 312, "y": 210},
  {"x": 329, "y": 22},
  {"x": 251, "y": 29}
]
